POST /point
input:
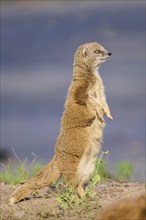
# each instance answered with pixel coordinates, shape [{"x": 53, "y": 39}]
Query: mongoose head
[{"x": 91, "y": 56}]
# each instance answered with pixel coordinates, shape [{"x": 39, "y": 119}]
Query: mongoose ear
[{"x": 85, "y": 51}]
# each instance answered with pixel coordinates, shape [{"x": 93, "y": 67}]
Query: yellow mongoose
[
  {"x": 126, "y": 209},
  {"x": 81, "y": 127}
]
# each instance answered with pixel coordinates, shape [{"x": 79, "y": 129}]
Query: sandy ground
[{"x": 45, "y": 205}]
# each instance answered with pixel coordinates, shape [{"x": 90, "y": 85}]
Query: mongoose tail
[{"x": 45, "y": 177}]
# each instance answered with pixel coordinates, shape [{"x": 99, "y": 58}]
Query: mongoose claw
[
  {"x": 110, "y": 117},
  {"x": 107, "y": 113}
]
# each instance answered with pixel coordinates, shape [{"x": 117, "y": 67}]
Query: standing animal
[{"x": 82, "y": 126}]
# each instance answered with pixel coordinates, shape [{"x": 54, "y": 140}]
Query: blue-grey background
[{"x": 38, "y": 42}]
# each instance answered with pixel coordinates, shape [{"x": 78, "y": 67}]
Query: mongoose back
[{"x": 82, "y": 126}]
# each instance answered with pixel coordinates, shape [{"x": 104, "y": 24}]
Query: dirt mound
[{"x": 45, "y": 205}]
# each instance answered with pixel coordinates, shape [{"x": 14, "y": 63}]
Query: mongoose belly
[{"x": 86, "y": 167}]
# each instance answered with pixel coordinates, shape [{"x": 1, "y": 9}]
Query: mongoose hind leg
[
  {"x": 80, "y": 191},
  {"x": 77, "y": 187}
]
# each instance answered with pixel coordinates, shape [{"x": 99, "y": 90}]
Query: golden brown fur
[
  {"x": 127, "y": 209},
  {"x": 81, "y": 127}
]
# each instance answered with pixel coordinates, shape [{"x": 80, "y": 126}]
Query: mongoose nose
[{"x": 109, "y": 54}]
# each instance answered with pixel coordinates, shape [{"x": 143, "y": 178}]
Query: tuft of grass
[
  {"x": 20, "y": 173},
  {"x": 69, "y": 201},
  {"x": 36, "y": 168},
  {"x": 124, "y": 170},
  {"x": 101, "y": 172},
  {"x": 65, "y": 195}
]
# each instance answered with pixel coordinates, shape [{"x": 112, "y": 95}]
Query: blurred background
[{"x": 38, "y": 42}]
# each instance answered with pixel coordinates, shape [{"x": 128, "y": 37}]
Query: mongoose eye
[{"x": 97, "y": 51}]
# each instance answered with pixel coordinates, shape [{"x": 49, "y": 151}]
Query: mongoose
[
  {"x": 126, "y": 209},
  {"x": 81, "y": 126}
]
